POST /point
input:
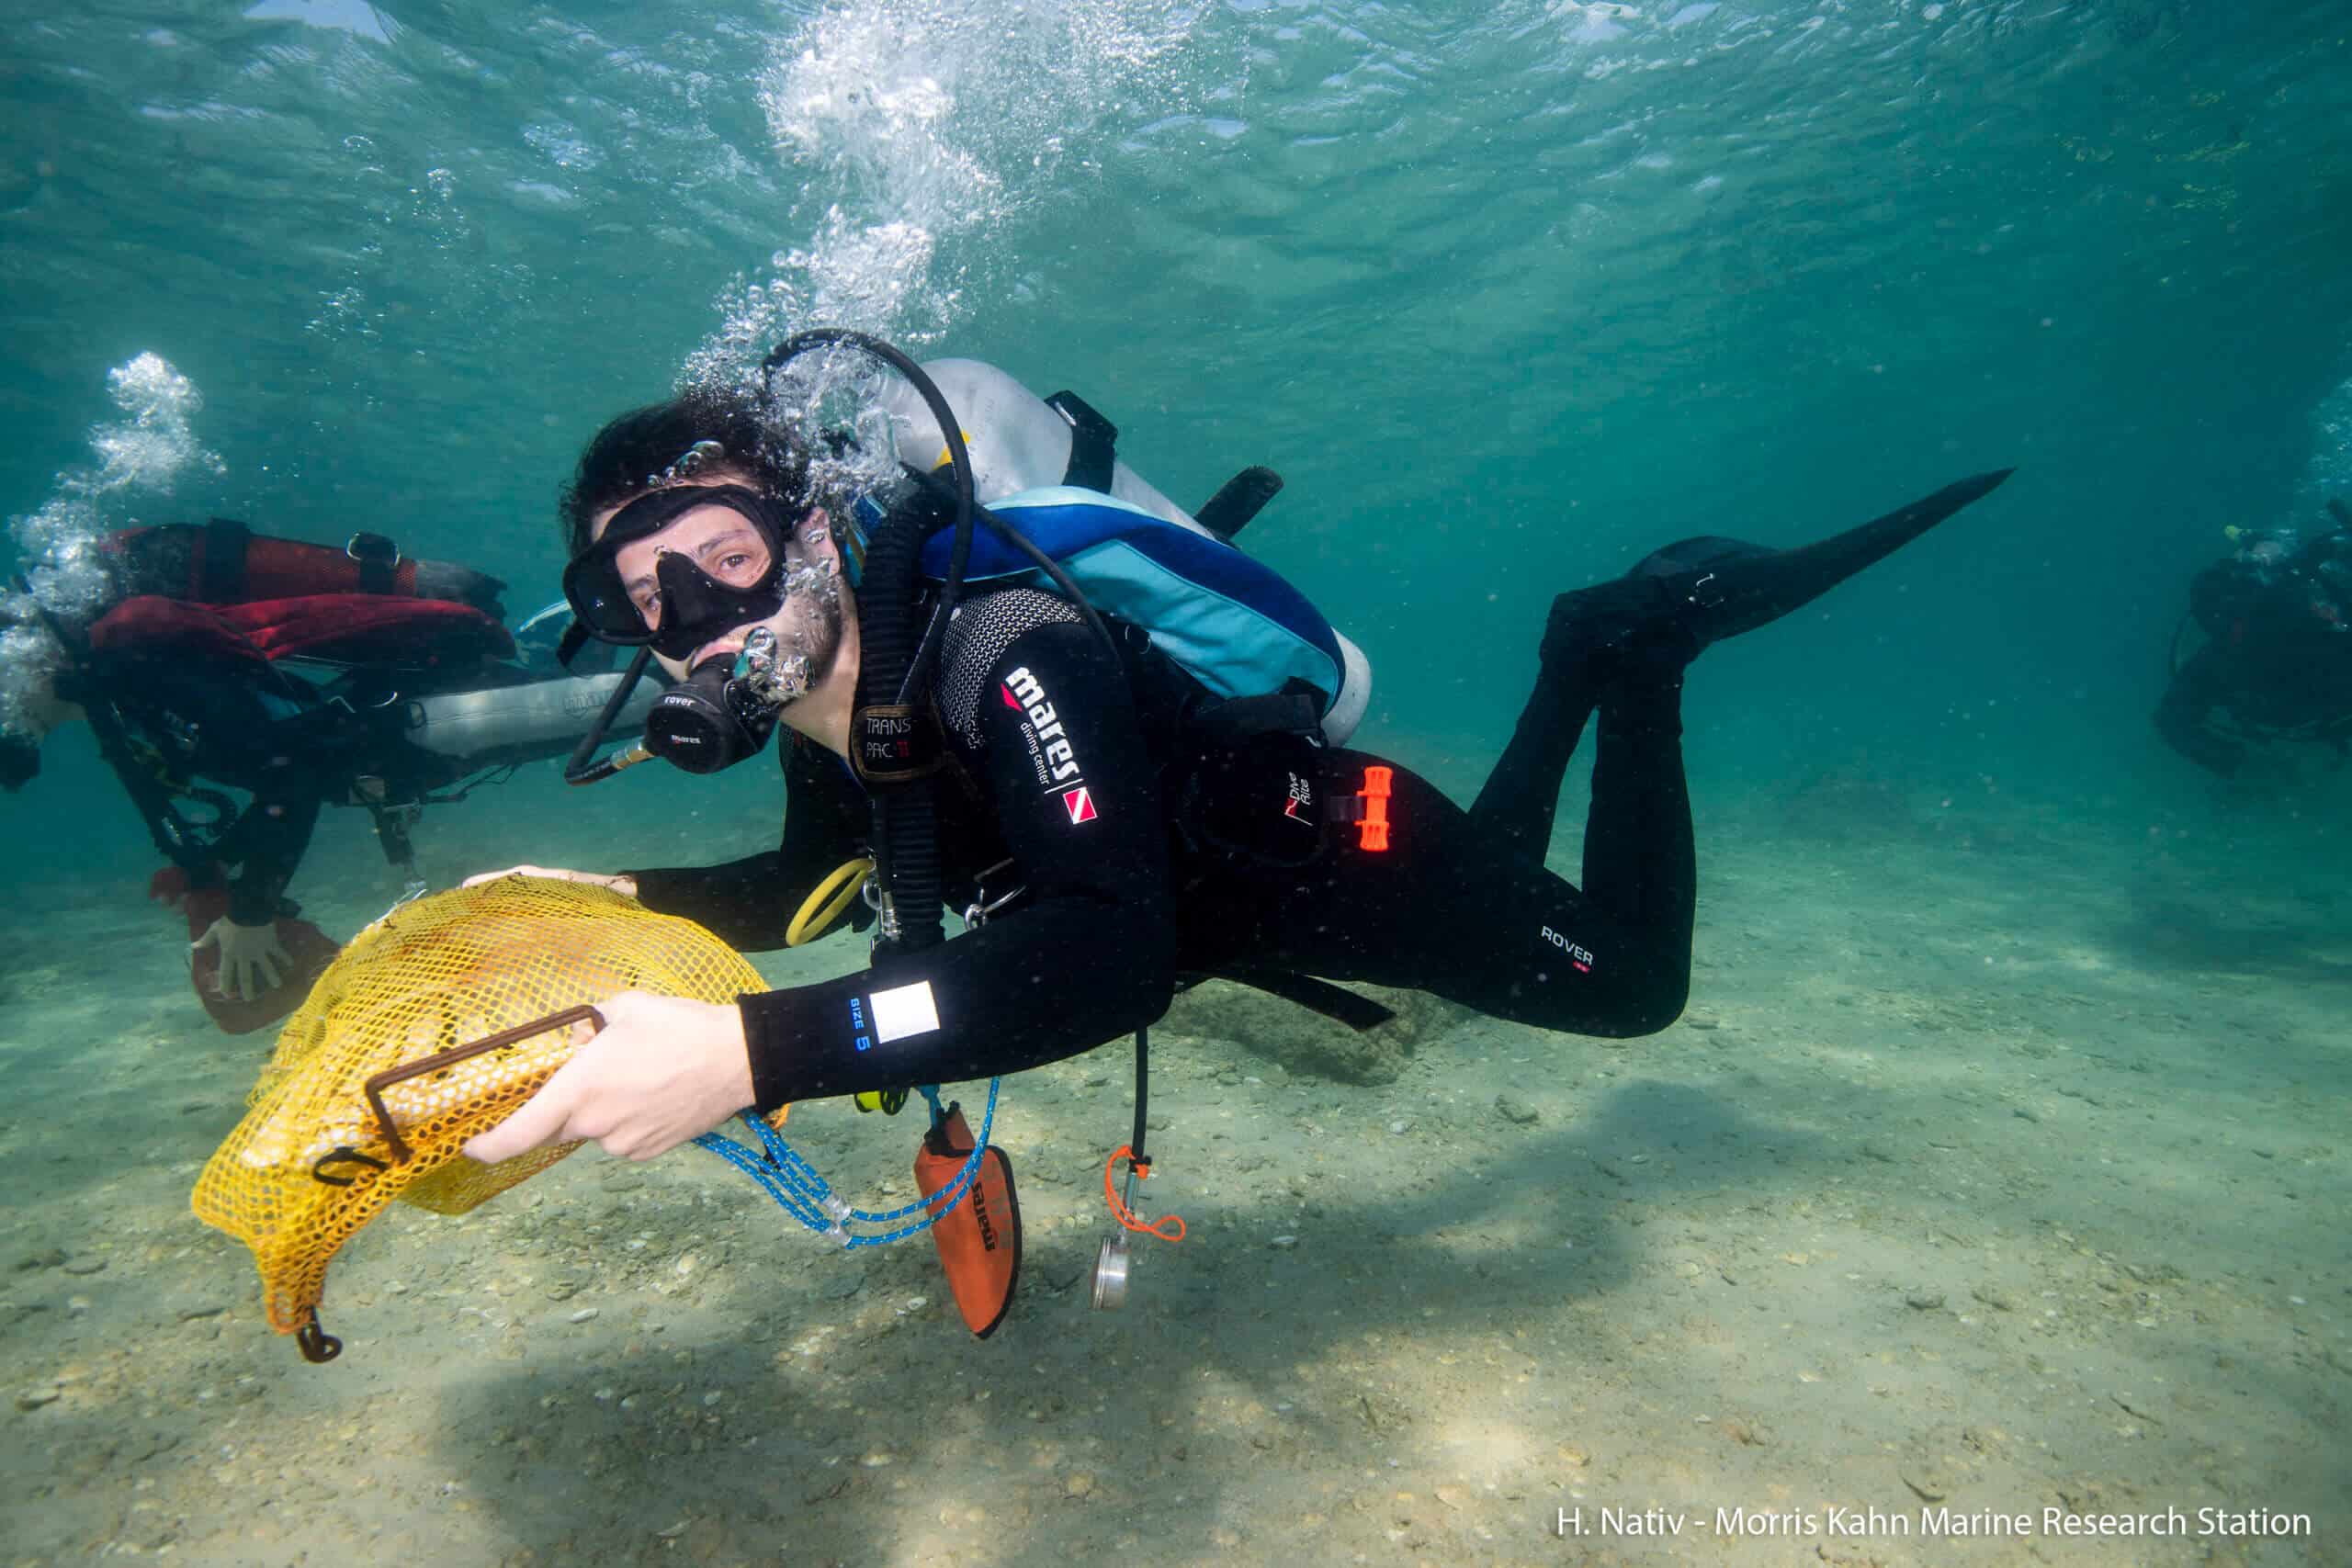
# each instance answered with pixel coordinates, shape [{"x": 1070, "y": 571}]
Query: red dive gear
[
  {"x": 351, "y": 629},
  {"x": 223, "y": 562}
]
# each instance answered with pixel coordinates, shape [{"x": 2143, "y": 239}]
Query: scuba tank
[
  {"x": 521, "y": 723},
  {"x": 1017, "y": 440}
]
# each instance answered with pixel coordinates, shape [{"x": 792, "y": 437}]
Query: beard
[{"x": 807, "y": 631}]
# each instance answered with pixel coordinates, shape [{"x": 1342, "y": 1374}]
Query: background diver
[
  {"x": 2275, "y": 662},
  {"x": 1204, "y": 837},
  {"x": 225, "y": 663}
]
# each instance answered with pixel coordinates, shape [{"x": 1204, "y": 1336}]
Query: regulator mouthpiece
[{"x": 724, "y": 711}]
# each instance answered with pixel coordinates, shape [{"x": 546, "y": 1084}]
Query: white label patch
[{"x": 904, "y": 1010}]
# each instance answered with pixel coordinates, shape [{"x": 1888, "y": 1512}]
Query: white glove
[
  {"x": 624, "y": 885},
  {"x": 253, "y": 960}
]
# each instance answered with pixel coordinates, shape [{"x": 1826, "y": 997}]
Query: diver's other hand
[
  {"x": 664, "y": 1069},
  {"x": 253, "y": 960},
  {"x": 622, "y": 884}
]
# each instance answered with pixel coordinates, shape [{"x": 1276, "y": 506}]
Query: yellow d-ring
[{"x": 825, "y": 906}]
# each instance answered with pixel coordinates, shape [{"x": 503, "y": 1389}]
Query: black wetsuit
[
  {"x": 171, "y": 734},
  {"x": 1144, "y": 854},
  {"x": 2277, "y": 657},
  {"x": 181, "y": 735}
]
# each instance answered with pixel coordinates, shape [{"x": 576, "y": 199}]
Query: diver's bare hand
[
  {"x": 662, "y": 1070},
  {"x": 624, "y": 885},
  {"x": 253, "y": 960}
]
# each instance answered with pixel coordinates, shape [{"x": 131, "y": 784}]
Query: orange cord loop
[{"x": 1126, "y": 1216}]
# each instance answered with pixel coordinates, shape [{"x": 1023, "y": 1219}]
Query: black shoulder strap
[
  {"x": 1094, "y": 442},
  {"x": 223, "y": 582},
  {"x": 1238, "y": 500},
  {"x": 379, "y": 559}
]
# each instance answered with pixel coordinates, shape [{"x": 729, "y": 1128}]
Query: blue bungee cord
[{"x": 794, "y": 1183}]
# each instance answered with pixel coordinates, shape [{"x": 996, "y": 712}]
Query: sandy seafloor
[{"x": 2000, "y": 1161}]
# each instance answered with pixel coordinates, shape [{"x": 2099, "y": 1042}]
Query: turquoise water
[
  {"x": 1492, "y": 286},
  {"x": 1510, "y": 294}
]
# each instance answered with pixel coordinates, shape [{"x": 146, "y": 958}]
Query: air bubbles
[
  {"x": 562, "y": 145},
  {"x": 2327, "y": 473},
  {"x": 147, "y": 450},
  {"x": 919, "y": 135},
  {"x": 62, "y": 545}
]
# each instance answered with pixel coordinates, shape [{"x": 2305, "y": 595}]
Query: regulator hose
[{"x": 895, "y": 658}]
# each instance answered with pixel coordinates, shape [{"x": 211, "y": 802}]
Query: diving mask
[{"x": 728, "y": 576}]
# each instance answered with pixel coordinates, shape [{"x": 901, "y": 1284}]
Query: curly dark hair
[{"x": 619, "y": 464}]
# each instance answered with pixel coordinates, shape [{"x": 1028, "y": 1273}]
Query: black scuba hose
[
  {"x": 578, "y": 770},
  {"x": 893, "y": 658},
  {"x": 1052, "y": 569},
  {"x": 960, "y": 552},
  {"x": 1143, "y": 1096},
  {"x": 905, "y": 830}
]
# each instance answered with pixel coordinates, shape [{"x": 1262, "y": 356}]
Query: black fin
[
  {"x": 1238, "y": 500},
  {"x": 1699, "y": 590},
  {"x": 1749, "y": 590}
]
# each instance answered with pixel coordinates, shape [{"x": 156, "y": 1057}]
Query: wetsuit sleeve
[
  {"x": 749, "y": 903},
  {"x": 2198, "y": 688},
  {"x": 266, "y": 844},
  {"x": 1085, "y": 954},
  {"x": 739, "y": 901}
]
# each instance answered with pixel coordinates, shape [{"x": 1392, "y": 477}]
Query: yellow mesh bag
[{"x": 323, "y": 1148}]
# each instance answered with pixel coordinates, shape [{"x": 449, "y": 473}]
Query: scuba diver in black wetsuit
[
  {"x": 1127, "y": 826},
  {"x": 226, "y": 662},
  {"x": 2276, "y": 662}
]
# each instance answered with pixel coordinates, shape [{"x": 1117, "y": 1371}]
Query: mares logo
[
  {"x": 1576, "y": 955},
  {"x": 981, "y": 1212},
  {"x": 1050, "y": 752}
]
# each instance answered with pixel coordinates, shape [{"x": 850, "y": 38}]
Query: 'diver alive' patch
[{"x": 1052, "y": 756}]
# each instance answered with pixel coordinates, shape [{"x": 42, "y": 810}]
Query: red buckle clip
[{"x": 1374, "y": 796}]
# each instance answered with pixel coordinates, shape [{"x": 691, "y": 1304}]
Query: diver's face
[{"x": 723, "y": 544}]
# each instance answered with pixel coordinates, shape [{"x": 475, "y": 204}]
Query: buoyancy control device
[{"x": 1050, "y": 467}]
